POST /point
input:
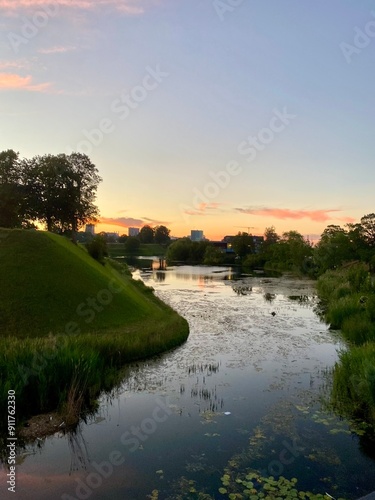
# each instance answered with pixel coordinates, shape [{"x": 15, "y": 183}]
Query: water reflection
[
  {"x": 79, "y": 455},
  {"x": 160, "y": 276},
  {"x": 243, "y": 384}
]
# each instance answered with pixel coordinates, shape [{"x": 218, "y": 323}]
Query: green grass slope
[
  {"x": 47, "y": 283},
  {"x": 68, "y": 323}
]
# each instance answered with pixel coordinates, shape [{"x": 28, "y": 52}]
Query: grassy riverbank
[
  {"x": 69, "y": 323},
  {"x": 348, "y": 297}
]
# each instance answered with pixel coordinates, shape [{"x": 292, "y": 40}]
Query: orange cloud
[
  {"x": 11, "y": 81},
  {"x": 122, "y": 221},
  {"x": 202, "y": 208},
  {"x": 287, "y": 213},
  {"x": 125, "y": 6}
]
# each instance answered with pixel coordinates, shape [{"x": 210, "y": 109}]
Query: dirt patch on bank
[{"x": 40, "y": 426}]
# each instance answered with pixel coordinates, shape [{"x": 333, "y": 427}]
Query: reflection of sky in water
[{"x": 265, "y": 370}]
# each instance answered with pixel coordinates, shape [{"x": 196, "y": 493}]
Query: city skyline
[{"x": 219, "y": 115}]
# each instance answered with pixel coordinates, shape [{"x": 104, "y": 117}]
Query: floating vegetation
[
  {"x": 338, "y": 426},
  {"x": 154, "y": 495},
  {"x": 242, "y": 289},
  {"x": 324, "y": 456},
  {"x": 252, "y": 485},
  {"x": 209, "y": 416},
  {"x": 269, "y": 297},
  {"x": 302, "y": 299}
]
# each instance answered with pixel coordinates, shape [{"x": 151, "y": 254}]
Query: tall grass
[
  {"x": 49, "y": 373},
  {"x": 348, "y": 297},
  {"x": 354, "y": 383}
]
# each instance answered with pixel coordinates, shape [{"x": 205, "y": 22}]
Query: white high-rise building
[
  {"x": 196, "y": 235},
  {"x": 133, "y": 231},
  {"x": 90, "y": 228}
]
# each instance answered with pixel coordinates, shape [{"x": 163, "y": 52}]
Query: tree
[
  {"x": 132, "y": 244},
  {"x": 213, "y": 256},
  {"x": 243, "y": 244},
  {"x": 12, "y": 200},
  {"x": 146, "y": 235},
  {"x": 179, "y": 251},
  {"x": 97, "y": 248},
  {"x": 61, "y": 191},
  {"x": 123, "y": 238},
  {"x": 334, "y": 248},
  {"x": 161, "y": 235},
  {"x": 270, "y": 237},
  {"x": 292, "y": 252},
  {"x": 81, "y": 186},
  {"x": 45, "y": 178},
  {"x": 368, "y": 229}
]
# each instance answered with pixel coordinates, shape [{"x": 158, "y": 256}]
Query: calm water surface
[{"x": 245, "y": 391}]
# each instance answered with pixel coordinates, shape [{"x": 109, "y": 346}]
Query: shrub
[
  {"x": 358, "y": 329},
  {"x": 359, "y": 278},
  {"x": 97, "y": 248},
  {"x": 343, "y": 308}
]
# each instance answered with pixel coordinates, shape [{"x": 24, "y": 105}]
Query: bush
[
  {"x": 342, "y": 291},
  {"x": 97, "y": 248},
  {"x": 359, "y": 278},
  {"x": 343, "y": 308},
  {"x": 132, "y": 245},
  {"x": 358, "y": 329},
  {"x": 328, "y": 283}
]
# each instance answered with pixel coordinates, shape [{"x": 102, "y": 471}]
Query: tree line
[
  {"x": 336, "y": 247},
  {"x": 159, "y": 235},
  {"x": 58, "y": 191},
  {"x": 290, "y": 251}
]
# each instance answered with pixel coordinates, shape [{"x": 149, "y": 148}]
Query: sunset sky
[{"x": 219, "y": 115}]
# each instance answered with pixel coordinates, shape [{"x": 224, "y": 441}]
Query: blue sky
[{"x": 178, "y": 86}]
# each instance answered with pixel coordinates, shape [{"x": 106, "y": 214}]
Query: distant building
[
  {"x": 133, "y": 231},
  {"x": 196, "y": 235},
  {"x": 90, "y": 228},
  {"x": 258, "y": 242},
  {"x": 228, "y": 239}
]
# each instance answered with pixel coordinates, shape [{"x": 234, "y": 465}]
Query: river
[{"x": 246, "y": 391}]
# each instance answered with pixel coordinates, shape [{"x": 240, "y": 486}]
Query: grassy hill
[
  {"x": 67, "y": 323},
  {"x": 46, "y": 282}
]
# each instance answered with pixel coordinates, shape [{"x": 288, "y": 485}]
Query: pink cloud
[
  {"x": 11, "y": 81},
  {"x": 131, "y": 222},
  {"x": 202, "y": 208},
  {"x": 14, "y": 64},
  {"x": 286, "y": 213},
  {"x": 57, "y": 50},
  {"x": 122, "y": 221},
  {"x": 132, "y": 7}
]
